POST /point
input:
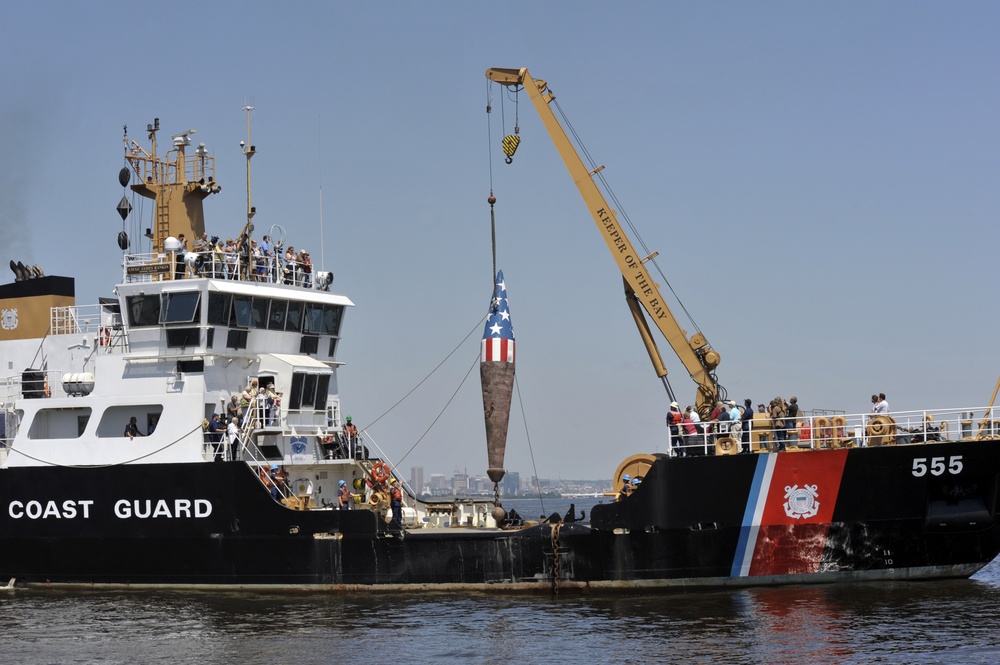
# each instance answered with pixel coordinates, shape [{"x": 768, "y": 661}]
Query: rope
[
  {"x": 531, "y": 451},
  {"x": 400, "y": 401},
  {"x": 441, "y": 413}
]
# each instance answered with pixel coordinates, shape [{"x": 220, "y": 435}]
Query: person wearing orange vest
[
  {"x": 351, "y": 434},
  {"x": 344, "y": 495},
  {"x": 396, "y": 502}
]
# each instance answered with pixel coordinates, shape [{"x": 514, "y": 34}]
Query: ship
[{"x": 115, "y": 471}]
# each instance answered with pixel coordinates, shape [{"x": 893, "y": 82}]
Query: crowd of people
[
  {"x": 244, "y": 259},
  {"x": 731, "y": 424},
  {"x": 775, "y": 423}
]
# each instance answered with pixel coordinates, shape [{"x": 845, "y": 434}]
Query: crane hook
[{"x": 510, "y": 143}]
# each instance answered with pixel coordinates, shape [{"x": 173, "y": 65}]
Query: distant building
[
  {"x": 460, "y": 483},
  {"x": 510, "y": 484},
  {"x": 439, "y": 484},
  {"x": 417, "y": 478}
]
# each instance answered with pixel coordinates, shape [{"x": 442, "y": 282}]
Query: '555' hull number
[{"x": 937, "y": 466}]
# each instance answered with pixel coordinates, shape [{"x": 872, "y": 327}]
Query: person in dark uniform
[
  {"x": 396, "y": 502},
  {"x": 132, "y": 429}
]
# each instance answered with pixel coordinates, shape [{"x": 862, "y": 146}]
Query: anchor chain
[{"x": 555, "y": 557}]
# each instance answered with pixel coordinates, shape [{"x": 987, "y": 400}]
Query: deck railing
[
  {"x": 815, "y": 432},
  {"x": 161, "y": 266}
]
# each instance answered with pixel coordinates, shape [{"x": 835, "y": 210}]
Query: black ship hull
[{"x": 896, "y": 512}]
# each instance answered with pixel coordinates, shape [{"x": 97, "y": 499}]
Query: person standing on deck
[
  {"x": 351, "y": 434},
  {"x": 746, "y": 420},
  {"x": 791, "y": 423},
  {"x": 779, "y": 411},
  {"x": 674, "y": 419},
  {"x": 344, "y": 495},
  {"x": 396, "y": 501},
  {"x": 132, "y": 429},
  {"x": 233, "y": 431}
]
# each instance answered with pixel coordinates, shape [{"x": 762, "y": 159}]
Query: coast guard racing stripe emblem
[{"x": 788, "y": 513}]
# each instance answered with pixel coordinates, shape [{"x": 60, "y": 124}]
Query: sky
[{"x": 820, "y": 181}]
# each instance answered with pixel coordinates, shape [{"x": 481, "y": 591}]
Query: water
[{"x": 928, "y": 622}]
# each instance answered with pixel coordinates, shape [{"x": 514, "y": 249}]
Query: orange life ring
[
  {"x": 104, "y": 336},
  {"x": 380, "y": 472}
]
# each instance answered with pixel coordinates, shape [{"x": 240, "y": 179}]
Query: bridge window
[
  {"x": 276, "y": 317},
  {"x": 293, "y": 323},
  {"x": 180, "y": 307},
  {"x": 143, "y": 310},
  {"x": 241, "y": 315},
  {"x": 323, "y": 319},
  {"x": 218, "y": 308},
  {"x": 259, "y": 312}
]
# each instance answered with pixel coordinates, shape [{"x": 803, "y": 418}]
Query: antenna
[
  {"x": 322, "y": 242},
  {"x": 249, "y": 149}
]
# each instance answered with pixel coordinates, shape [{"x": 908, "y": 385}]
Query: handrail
[
  {"x": 815, "y": 432},
  {"x": 158, "y": 266}
]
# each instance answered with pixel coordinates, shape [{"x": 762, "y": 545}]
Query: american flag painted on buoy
[
  {"x": 496, "y": 372},
  {"x": 498, "y": 336}
]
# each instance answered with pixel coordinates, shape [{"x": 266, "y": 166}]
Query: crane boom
[{"x": 695, "y": 353}]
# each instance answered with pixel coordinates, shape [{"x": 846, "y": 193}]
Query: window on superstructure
[
  {"x": 276, "y": 316},
  {"x": 322, "y": 391},
  {"x": 313, "y": 319},
  {"x": 180, "y": 307},
  {"x": 308, "y": 390},
  {"x": 60, "y": 423},
  {"x": 293, "y": 322},
  {"x": 331, "y": 318},
  {"x": 242, "y": 312},
  {"x": 309, "y": 345},
  {"x": 295, "y": 392},
  {"x": 259, "y": 312},
  {"x": 218, "y": 308},
  {"x": 143, "y": 310}
]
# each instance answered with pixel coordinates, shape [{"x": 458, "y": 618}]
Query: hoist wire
[
  {"x": 489, "y": 142},
  {"x": 431, "y": 373},
  {"x": 620, "y": 211},
  {"x": 489, "y": 129},
  {"x": 527, "y": 435}
]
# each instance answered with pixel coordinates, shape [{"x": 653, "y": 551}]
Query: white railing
[
  {"x": 812, "y": 432},
  {"x": 219, "y": 265}
]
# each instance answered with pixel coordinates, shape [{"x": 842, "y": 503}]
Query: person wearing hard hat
[
  {"x": 351, "y": 434},
  {"x": 344, "y": 495},
  {"x": 626, "y": 486},
  {"x": 276, "y": 479}
]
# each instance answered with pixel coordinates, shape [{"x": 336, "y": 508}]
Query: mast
[
  {"x": 178, "y": 183},
  {"x": 246, "y": 249}
]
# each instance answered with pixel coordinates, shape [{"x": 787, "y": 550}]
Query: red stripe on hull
[{"x": 797, "y": 513}]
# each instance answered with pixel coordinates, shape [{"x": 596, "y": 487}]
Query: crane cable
[{"x": 491, "y": 199}]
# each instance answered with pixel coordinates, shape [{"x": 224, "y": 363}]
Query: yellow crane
[{"x": 641, "y": 291}]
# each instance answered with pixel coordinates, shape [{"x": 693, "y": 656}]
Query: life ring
[
  {"x": 380, "y": 472},
  {"x": 104, "y": 336}
]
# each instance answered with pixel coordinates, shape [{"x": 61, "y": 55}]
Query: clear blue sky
[{"x": 820, "y": 181}]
